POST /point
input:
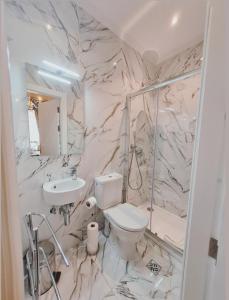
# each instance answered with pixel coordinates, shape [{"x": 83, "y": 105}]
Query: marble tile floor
[{"x": 107, "y": 276}]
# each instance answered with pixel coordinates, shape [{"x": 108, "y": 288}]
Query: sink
[{"x": 63, "y": 191}]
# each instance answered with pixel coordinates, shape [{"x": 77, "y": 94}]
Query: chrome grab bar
[
  {"x": 36, "y": 271},
  {"x": 33, "y": 266}
]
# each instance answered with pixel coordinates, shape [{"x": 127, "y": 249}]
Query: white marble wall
[
  {"x": 109, "y": 69},
  {"x": 177, "y": 106}
]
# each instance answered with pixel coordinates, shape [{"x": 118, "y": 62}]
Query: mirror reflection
[{"x": 44, "y": 124}]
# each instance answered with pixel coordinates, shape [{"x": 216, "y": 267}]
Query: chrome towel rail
[{"x": 33, "y": 255}]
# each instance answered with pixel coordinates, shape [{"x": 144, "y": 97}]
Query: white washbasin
[{"x": 63, "y": 191}]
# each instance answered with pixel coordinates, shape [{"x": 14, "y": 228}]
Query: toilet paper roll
[
  {"x": 90, "y": 202},
  {"x": 92, "y": 238}
]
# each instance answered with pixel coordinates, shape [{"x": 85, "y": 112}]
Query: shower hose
[{"x": 133, "y": 152}]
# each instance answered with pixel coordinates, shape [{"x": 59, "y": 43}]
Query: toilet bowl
[{"x": 128, "y": 223}]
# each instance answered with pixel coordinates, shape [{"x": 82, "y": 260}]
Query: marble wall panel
[{"x": 63, "y": 33}]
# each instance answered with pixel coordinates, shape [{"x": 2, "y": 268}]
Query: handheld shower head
[{"x": 135, "y": 152}]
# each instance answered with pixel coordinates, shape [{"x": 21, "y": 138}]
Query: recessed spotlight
[
  {"x": 61, "y": 69},
  {"x": 48, "y": 27},
  {"x": 174, "y": 20},
  {"x": 115, "y": 64},
  {"x": 202, "y": 58},
  {"x": 52, "y": 76},
  {"x": 39, "y": 98}
]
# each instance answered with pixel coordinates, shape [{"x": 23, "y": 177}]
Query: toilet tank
[{"x": 108, "y": 190}]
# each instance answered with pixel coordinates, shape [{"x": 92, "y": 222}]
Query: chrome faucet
[{"x": 73, "y": 172}]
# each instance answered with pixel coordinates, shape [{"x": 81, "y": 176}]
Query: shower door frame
[
  {"x": 160, "y": 84},
  {"x": 156, "y": 87},
  {"x": 150, "y": 88}
]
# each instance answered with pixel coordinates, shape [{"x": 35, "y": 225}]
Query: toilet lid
[{"x": 127, "y": 217}]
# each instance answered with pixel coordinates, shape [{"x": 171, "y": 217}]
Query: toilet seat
[{"x": 127, "y": 217}]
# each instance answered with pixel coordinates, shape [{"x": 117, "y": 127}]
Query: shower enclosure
[{"x": 161, "y": 132}]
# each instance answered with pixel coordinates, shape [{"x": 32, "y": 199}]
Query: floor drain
[{"x": 154, "y": 267}]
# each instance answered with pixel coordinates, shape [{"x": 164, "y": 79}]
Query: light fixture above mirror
[
  {"x": 53, "y": 76},
  {"x": 61, "y": 71}
]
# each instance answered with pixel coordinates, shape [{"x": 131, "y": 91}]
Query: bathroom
[{"x": 110, "y": 109}]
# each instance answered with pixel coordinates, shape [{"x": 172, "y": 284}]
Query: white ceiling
[{"x": 146, "y": 24}]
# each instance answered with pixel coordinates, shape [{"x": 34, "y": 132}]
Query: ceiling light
[
  {"x": 52, "y": 76},
  {"x": 175, "y": 20},
  {"x": 61, "y": 69},
  {"x": 48, "y": 26},
  {"x": 39, "y": 98},
  {"x": 115, "y": 64},
  {"x": 201, "y": 58}
]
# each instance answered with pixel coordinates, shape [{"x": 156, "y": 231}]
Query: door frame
[{"x": 207, "y": 178}]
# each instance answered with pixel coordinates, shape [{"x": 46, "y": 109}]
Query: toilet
[{"x": 127, "y": 222}]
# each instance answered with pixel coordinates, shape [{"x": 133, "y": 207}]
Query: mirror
[{"x": 55, "y": 120}]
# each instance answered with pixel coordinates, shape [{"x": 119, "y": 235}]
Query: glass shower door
[
  {"x": 161, "y": 139},
  {"x": 143, "y": 111},
  {"x": 174, "y": 141}
]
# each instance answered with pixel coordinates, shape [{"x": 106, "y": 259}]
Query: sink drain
[{"x": 154, "y": 267}]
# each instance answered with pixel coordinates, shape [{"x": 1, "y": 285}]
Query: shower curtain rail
[{"x": 161, "y": 84}]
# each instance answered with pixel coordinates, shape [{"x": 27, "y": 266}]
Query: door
[{"x": 49, "y": 127}]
